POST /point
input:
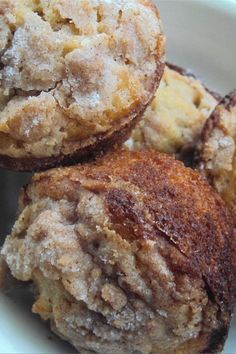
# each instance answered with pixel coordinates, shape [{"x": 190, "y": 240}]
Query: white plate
[{"x": 201, "y": 36}]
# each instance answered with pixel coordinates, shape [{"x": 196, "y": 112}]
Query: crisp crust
[
  {"x": 149, "y": 172},
  {"x": 174, "y": 120},
  {"x": 83, "y": 224},
  {"x": 55, "y": 107}
]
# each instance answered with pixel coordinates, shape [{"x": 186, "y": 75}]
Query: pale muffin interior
[{"x": 175, "y": 118}]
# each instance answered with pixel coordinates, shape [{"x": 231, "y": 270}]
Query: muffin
[
  {"x": 216, "y": 150},
  {"x": 75, "y": 76},
  {"x": 129, "y": 254},
  {"x": 174, "y": 120}
]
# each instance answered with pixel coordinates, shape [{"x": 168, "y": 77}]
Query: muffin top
[
  {"x": 174, "y": 120},
  {"x": 130, "y": 253},
  {"x": 72, "y": 72}
]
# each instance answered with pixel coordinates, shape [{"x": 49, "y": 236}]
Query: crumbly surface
[
  {"x": 73, "y": 70},
  {"x": 174, "y": 120},
  {"x": 217, "y": 150},
  {"x": 129, "y": 255}
]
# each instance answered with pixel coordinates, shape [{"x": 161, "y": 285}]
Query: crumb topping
[{"x": 93, "y": 61}]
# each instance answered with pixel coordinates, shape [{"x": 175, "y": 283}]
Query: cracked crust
[
  {"x": 174, "y": 120},
  {"x": 129, "y": 254},
  {"x": 70, "y": 78}
]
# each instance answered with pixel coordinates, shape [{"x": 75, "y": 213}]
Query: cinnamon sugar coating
[
  {"x": 129, "y": 254},
  {"x": 73, "y": 74}
]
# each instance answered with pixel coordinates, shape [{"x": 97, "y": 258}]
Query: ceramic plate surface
[{"x": 201, "y": 36}]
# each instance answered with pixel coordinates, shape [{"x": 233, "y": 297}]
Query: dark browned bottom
[{"x": 217, "y": 341}]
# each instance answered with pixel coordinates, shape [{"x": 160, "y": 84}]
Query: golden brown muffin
[
  {"x": 216, "y": 152},
  {"x": 174, "y": 120},
  {"x": 130, "y": 255},
  {"x": 75, "y": 76}
]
